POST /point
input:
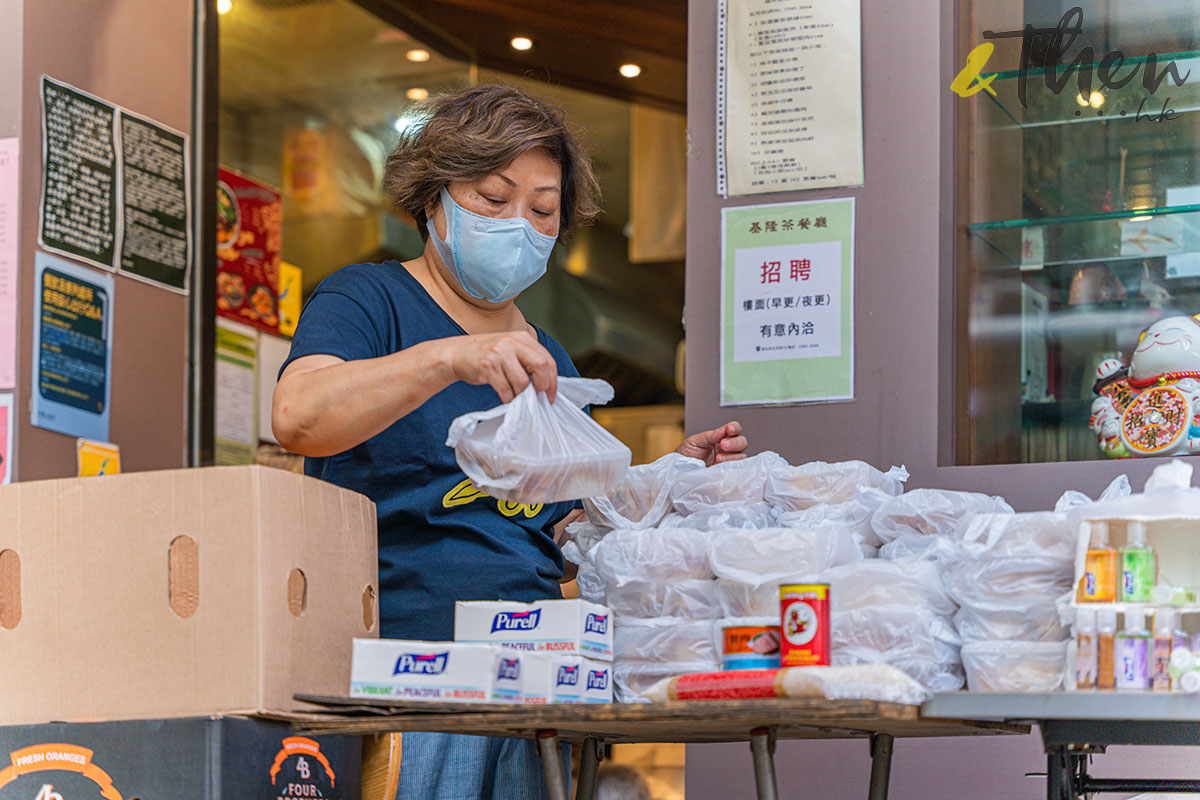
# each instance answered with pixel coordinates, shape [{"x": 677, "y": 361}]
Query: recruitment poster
[
  {"x": 789, "y": 96},
  {"x": 155, "y": 235},
  {"x": 6, "y": 437},
  {"x": 787, "y": 303},
  {"x": 9, "y": 215},
  {"x": 115, "y": 188},
  {"x": 249, "y": 244},
  {"x": 79, "y": 189},
  {"x": 235, "y": 425},
  {"x": 72, "y": 348}
]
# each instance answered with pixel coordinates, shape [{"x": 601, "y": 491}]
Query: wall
[
  {"x": 902, "y": 356},
  {"x": 136, "y": 53},
  {"x": 903, "y": 312}
]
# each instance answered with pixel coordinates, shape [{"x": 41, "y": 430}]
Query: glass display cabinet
[{"x": 1077, "y": 214}]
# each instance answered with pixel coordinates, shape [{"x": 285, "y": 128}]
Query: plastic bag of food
[
  {"x": 929, "y": 511},
  {"x": 591, "y": 585},
  {"x": 530, "y": 450},
  {"x": 643, "y": 497},
  {"x": 653, "y": 554},
  {"x": 878, "y": 682},
  {"x": 687, "y": 599},
  {"x": 1040, "y": 624},
  {"x": 915, "y": 640},
  {"x": 751, "y": 517},
  {"x": 854, "y": 514},
  {"x": 632, "y": 679},
  {"x": 915, "y": 585},
  {"x": 798, "y": 488},
  {"x": 586, "y": 535},
  {"x": 752, "y": 563},
  {"x": 919, "y": 547},
  {"x": 1003, "y": 584},
  {"x": 1072, "y": 499},
  {"x": 1046, "y": 534},
  {"x": 1014, "y": 666},
  {"x": 730, "y": 483},
  {"x": 664, "y": 639}
]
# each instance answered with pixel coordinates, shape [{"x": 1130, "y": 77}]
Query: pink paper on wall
[{"x": 9, "y": 176}]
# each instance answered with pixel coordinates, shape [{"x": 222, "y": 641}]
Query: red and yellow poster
[{"x": 249, "y": 242}]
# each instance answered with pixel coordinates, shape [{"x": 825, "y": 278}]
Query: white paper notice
[
  {"x": 772, "y": 286},
  {"x": 793, "y": 87},
  {"x": 235, "y": 427},
  {"x": 9, "y": 186}
]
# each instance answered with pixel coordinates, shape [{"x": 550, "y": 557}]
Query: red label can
[{"x": 804, "y": 621}]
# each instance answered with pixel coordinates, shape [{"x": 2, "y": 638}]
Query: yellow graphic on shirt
[{"x": 465, "y": 493}]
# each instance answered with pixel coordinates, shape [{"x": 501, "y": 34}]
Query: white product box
[
  {"x": 570, "y": 627},
  {"x": 435, "y": 671}
]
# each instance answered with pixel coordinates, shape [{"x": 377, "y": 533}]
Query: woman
[{"x": 385, "y": 356}]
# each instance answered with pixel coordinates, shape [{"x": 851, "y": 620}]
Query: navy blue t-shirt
[{"x": 440, "y": 539}]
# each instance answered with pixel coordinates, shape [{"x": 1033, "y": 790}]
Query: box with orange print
[{"x": 202, "y": 758}]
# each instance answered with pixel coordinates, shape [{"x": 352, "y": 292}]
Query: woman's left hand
[{"x": 717, "y": 446}]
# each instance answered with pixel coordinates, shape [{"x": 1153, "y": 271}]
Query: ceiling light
[
  {"x": 417, "y": 55},
  {"x": 630, "y": 70},
  {"x": 223, "y": 6},
  {"x": 1096, "y": 100},
  {"x": 417, "y": 93},
  {"x": 1079, "y": 98},
  {"x": 521, "y": 43}
]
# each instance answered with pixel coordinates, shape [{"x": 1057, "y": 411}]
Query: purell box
[
  {"x": 437, "y": 671},
  {"x": 537, "y": 676},
  {"x": 570, "y": 627},
  {"x": 580, "y": 680}
]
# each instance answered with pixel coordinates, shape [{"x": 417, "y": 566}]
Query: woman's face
[{"x": 528, "y": 187}]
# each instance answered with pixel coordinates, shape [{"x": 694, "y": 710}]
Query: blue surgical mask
[{"x": 493, "y": 259}]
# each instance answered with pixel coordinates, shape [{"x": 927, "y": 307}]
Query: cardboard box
[
  {"x": 201, "y": 759},
  {"x": 180, "y": 593},
  {"x": 570, "y": 627},
  {"x": 435, "y": 671}
]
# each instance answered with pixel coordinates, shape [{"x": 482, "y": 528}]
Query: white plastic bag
[
  {"x": 914, "y": 640},
  {"x": 798, "y": 488},
  {"x": 683, "y": 598},
  {"x": 1041, "y": 534},
  {"x": 664, "y": 639},
  {"x": 654, "y": 554},
  {"x": 915, "y": 585},
  {"x": 586, "y": 535},
  {"x": 854, "y": 514},
  {"x": 533, "y": 451},
  {"x": 591, "y": 585},
  {"x": 929, "y": 511},
  {"x": 730, "y": 483},
  {"x": 1014, "y": 666},
  {"x": 752, "y": 517},
  {"x": 1034, "y": 624},
  {"x": 751, "y": 564},
  {"x": 643, "y": 497},
  {"x": 919, "y": 547},
  {"x": 1009, "y": 584}
]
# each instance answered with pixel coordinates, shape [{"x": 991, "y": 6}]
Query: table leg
[
  {"x": 762, "y": 747},
  {"x": 1060, "y": 768},
  {"x": 589, "y": 764},
  {"x": 881, "y": 765},
  {"x": 556, "y": 781}
]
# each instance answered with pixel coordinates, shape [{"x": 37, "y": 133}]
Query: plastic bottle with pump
[
  {"x": 1106, "y": 629},
  {"x": 1164, "y": 639},
  {"x": 1085, "y": 649},
  {"x": 1139, "y": 566},
  {"x": 1132, "y": 653},
  {"x": 1099, "y": 581}
]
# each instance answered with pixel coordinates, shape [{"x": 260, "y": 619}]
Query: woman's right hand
[{"x": 508, "y": 362}]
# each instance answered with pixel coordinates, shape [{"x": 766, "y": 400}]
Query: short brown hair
[{"x": 478, "y": 131}]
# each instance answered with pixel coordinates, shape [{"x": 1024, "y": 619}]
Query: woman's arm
[{"x": 324, "y": 405}]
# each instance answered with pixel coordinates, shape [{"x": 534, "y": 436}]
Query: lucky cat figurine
[{"x": 1152, "y": 407}]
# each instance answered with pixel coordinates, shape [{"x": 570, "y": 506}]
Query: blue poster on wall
[{"x": 72, "y": 349}]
